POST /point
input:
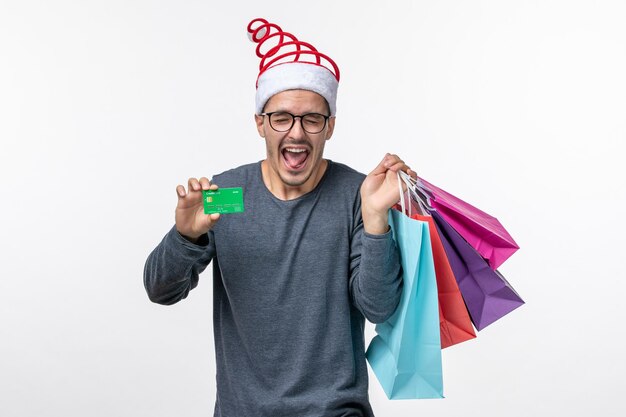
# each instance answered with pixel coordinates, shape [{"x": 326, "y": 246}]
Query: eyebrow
[{"x": 289, "y": 111}]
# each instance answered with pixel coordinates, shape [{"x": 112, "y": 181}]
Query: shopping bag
[
  {"x": 454, "y": 321},
  {"x": 481, "y": 230},
  {"x": 405, "y": 355},
  {"x": 487, "y": 294}
]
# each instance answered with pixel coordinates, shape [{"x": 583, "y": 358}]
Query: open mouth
[{"x": 295, "y": 157}]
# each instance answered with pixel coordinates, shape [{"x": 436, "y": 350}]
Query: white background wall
[{"x": 105, "y": 106}]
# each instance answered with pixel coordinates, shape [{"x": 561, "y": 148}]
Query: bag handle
[
  {"x": 407, "y": 207},
  {"x": 414, "y": 191},
  {"x": 400, "y": 181}
]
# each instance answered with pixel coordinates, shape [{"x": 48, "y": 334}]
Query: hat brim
[{"x": 297, "y": 76}]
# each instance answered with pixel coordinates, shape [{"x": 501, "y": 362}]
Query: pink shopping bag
[{"x": 481, "y": 230}]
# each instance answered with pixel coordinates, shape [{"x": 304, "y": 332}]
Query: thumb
[{"x": 210, "y": 220}]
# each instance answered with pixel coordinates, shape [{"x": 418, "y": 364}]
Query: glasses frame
[{"x": 293, "y": 121}]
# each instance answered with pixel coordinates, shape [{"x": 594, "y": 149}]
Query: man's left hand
[{"x": 379, "y": 192}]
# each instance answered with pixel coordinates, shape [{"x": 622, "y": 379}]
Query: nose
[{"x": 296, "y": 129}]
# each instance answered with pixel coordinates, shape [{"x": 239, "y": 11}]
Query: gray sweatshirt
[{"x": 293, "y": 282}]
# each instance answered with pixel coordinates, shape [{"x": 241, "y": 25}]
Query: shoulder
[
  {"x": 343, "y": 175},
  {"x": 237, "y": 176},
  {"x": 342, "y": 190}
]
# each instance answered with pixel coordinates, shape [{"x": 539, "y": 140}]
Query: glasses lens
[
  {"x": 281, "y": 122},
  {"x": 313, "y": 122}
]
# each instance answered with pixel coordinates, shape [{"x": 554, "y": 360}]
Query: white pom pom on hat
[{"x": 289, "y": 64}]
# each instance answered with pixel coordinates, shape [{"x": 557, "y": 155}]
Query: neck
[{"x": 287, "y": 192}]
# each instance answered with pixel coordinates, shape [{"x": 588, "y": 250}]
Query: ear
[
  {"x": 331, "y": 127},
  {"x": 259, "y": 124}
]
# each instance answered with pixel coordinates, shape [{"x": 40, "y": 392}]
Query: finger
[
  {"x": 193, "y": 185},
  {"x": 211, "y": 219},
  {"x": 213, "y": 187},
  {"x": 381, "y": 168},
  {"x": 392, "y": 159},
  {"x": 412, "y": 173},
  {"x": 400, "y": 165},
  {"x": 180, "y": 191},
  {"x": 205, "y": 183},
  {"x": 388, "y": 161}
]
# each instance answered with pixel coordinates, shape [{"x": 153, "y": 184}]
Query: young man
[{"x": 295, "y": 275}]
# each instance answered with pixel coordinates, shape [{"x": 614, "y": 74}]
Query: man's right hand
[{"x": 191, "y": 222}]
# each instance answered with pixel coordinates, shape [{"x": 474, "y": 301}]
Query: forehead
[{"x": 297, "y": 101}]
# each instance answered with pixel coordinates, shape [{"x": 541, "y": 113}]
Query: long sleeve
[
  {"x": 375, "y": 273},
  {"x": 172, "y": 268}
]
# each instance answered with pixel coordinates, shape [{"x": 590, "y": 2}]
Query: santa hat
[{"x": 290, "y": 64}]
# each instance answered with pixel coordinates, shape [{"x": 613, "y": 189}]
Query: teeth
[{"x": 295, "y": 150}]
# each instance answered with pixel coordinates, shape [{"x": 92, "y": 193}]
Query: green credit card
[{"x": 223, "y": 200}]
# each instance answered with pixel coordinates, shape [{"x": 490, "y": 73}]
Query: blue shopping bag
[{"x": 406, "y": 353}]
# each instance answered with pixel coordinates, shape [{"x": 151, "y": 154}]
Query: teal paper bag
[{"x": 406, "y": 353}]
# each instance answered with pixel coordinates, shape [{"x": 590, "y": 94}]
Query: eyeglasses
[{"x": 282, "y": 121}]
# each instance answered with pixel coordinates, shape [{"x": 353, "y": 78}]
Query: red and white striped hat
[{"x": 289, "y": 64}]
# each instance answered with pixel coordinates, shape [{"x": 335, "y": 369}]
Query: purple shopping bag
[
  {"x": 481, "y": 230},
  {"x": 487, "y": 294}
]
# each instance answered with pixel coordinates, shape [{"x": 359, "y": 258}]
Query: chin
[{"x": 295, "y": 180}]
